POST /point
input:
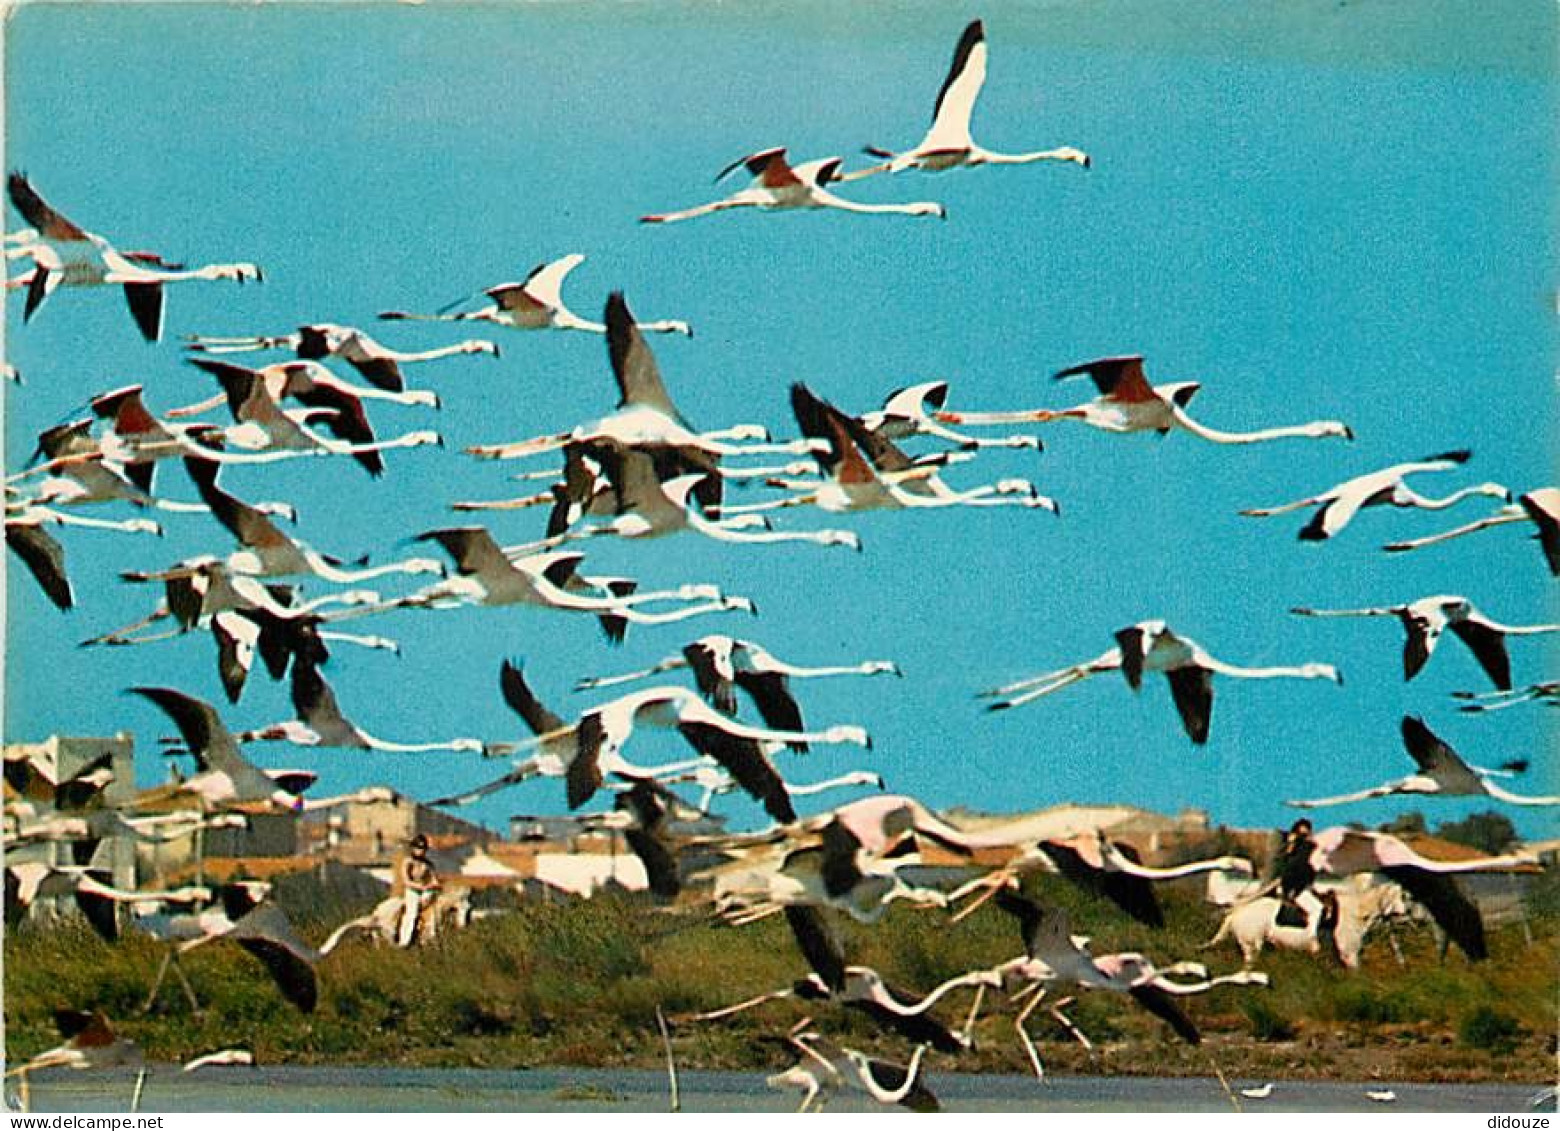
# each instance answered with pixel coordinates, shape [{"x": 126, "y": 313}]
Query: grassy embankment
[{"x": 578, "y": 984}]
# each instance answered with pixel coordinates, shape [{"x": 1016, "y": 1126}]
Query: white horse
[
  {"x": 1254, "y": 923},
  {"x": 450, "y": 909}
]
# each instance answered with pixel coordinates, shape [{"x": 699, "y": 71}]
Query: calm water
[{"x": 581, "y": 1090}]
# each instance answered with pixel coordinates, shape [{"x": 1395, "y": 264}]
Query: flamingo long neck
[
  {"x": 1501, "y": 794},
  {"x": 336, "y": 447},
  {"x": 1240, "y": 978},
  {"x": 1279, "y": 672},
  {"x": 521, "y": 448},
  {"x": 866, "y": 667},
  {"x": 824, "y": 199},
  {"x": 322, "y": 568},
  {"x": 383, "y": 643},
  {"x": 1316, "y": 429},
  {"x": 1527, "y": 629},
  {"x": 638, "y": 616},
  {"x": 131, "y": 525},
  {"x": 829, "y": 783},
  {"x": 470, "y": 346},
  {"x": 723, "y": 533},
  {"x": 1061, "y": 153},
  {"x": 565, "y": 319},
  {"x": 1195, "y": 867},
  {"x": 1405, "y": 496},
  {"x": 389, "y": 747}
]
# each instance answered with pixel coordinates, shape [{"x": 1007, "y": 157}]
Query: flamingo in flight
[
  {"x": 556, "y": 744},
  {"x": 826, "y": 1067},
  {"x": 268, "y": 552},
  {"x": 199, "y": 588},
  {"x": 865, "y": 470},
  {"x": 847, "y": 859},
  {"x": 254, "y": 397},
  {"x": 320, "y": 722},
  {"x": 601, "y": 732},
  {"x": 1441, "y": 772},
  {"x": 714, "y": 781},
  {"x": 650, "y": 508},
  {"x": 861, "y": 988},
  {"x": 240, "y": 633},
  {"x": 488, "y": 576},
  {"x": 948, "y": 144},
  {"x": 1053, "y": 955},
  {"x": 646, "y": 414},
  {"x": 721, "y": 664},
  {"x": 1547, "y": 691},
  {"x": 911, "y": 411},
  {"x": 203, "y": 594},
  {"x": 95, "y": 479},
  {"x": 315, "y": 386},
  {"x": 1128, "y": 403},
  {"x": 65, "y": 254},
  {"x": 777, "y": 185},
  {"x": 42, "y": 553},
  {"x": 745, "y": 762},
  {"x": 44, "y": 558},
  {"x": 261, "y": 927},
  {"x": 1091, "y": 861},
  {"x": 96, "y": 898},
  {"x": 225, "y": 776},
  {"x": 90, "y": 1043},
  {"x": 1341, "y": 851},
  {"x": 536, "y": 304},
  {"x": 583, "y": 488},
  {"x": 1337, "y": 505},
  {"x": 1426, "y": 619},
  {"x": 890, "y": 825},
  {"x": 1151, "y": 646},
  {"x": 135, "y": 439},
  {"x": 1540, "y": 507},
  {"x": 377, "y": 364}
]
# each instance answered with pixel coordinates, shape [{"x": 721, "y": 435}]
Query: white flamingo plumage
[
  {"x": 1425, "y": 620},
  {"x": 1442, "y": 773},
  {"x": 1338, "y": 505},
  {"x": 1151, "y": 646},
  {"x": 600, "y": 733},
  {"x": 536, "y": 304},
  {"x": 64, "y": 254},
  {"x": 320, "y": 722},
  {"x": 1540, "y": 507},
  {"x": 1128, "y": 403},
  {"x": 778, "y": 186},
  {"x": 646, "y": 414},
  {"x": 378, "y": 364},
  {"x": 948, "y": 144},
  {"x": 487, "y": 576}
]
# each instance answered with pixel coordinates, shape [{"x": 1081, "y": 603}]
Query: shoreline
[{"x": 582, "y": 1089}]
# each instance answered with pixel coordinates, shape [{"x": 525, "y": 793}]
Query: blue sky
[{"x": 1317, "y": 210}]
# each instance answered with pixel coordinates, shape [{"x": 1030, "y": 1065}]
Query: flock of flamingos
[{"x": 641, "y": 471}]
